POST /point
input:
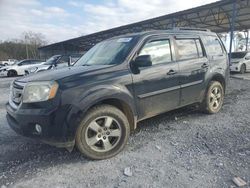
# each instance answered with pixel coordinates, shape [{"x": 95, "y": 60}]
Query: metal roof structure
[{"x": 221, "y": 16}]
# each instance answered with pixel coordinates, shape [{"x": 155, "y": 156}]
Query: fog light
[{"x": 38, "y": 128}]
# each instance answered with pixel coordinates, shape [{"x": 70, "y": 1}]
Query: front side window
[
  {"x": 189, "y": 48},
  {"x": 160, "y": 51}
]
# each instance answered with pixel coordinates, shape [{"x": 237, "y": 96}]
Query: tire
[
  {"x": 243, "y": 69},
  {"x": 214, "y": 98},
  {"x": 11, "y": 73},
  {"x": 102, "y": 133}
]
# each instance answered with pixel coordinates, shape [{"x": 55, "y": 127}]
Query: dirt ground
[{"x": 183, "y": 148}]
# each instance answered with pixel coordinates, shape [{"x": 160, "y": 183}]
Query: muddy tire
[{"x": 214, "y": 98}]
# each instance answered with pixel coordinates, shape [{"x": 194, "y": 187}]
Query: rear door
[
  {"x": 157, "y": 87},
  {"x": 193, "y": 65}
]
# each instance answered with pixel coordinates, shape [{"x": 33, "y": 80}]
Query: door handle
[
  {"x": 205, "y": 65},
  {"x": 171, "y": 72}
]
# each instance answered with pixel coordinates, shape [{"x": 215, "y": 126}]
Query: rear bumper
[{"x": 56, "y": 130}]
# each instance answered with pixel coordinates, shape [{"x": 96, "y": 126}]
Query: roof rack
[{"x": 191, "y": 29}]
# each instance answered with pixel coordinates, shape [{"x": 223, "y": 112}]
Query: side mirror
[
  {"x": 247, "y": 58},
  {"x": 143, "y": 61}
]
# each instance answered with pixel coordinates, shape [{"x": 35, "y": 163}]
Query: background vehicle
[
  {"x": 240, "y": 62},
  {"x": 9, "y": 62},
  {"x": 55, "y": 61},
  {"x": 18, "y": 68},
  {"x": 96, "y": 103}
]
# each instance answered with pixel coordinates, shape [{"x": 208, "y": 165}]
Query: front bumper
[
  {"x": 235, "y": 67},
  {"x": 56, "y": 130},
  {"x": 3, "y": 73}
]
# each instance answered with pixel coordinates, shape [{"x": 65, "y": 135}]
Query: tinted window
[
  {"x": 160, "y": 51},
  {"x": 27, "y": 62},
  {"x": 213, "y": 46},
  {"x": 187, "y": 49}
]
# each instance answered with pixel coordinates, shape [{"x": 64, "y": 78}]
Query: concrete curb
[{"x": 240, "y": 78}]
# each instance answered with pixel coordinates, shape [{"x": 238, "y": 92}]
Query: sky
[{"x": 60, "y": 20}]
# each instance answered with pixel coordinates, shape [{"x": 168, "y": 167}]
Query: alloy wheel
[{"x": 103, "y": 134}]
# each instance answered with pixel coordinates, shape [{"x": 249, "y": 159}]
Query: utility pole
[{"x": 26, "y": 43}]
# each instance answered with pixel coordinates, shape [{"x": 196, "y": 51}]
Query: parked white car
[
  {"x": 18, "y": 68},
  {"x": 240, "y": 62},
  {"x": 9, "y": 62}
]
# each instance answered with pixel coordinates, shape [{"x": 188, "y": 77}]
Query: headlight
[
  {"x": 39, "y": 91},
  {"x": 32, "y": 70}
]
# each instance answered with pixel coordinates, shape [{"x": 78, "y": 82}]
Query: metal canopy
[{"x": 221, "y": 16}]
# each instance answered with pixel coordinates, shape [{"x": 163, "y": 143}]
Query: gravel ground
[{"x": 183, "y": 148}]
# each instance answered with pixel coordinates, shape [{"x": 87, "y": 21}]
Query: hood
[
  {"x": 5, "y": 67},
  {"x": 39, "y": 66},
  {"x": 60, "y": 73}
]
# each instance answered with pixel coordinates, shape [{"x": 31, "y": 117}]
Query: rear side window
[
  {"x": 159, "y": 50},
  {"x": 213, "y": 46},
  {"x": 189, "y": 48}
]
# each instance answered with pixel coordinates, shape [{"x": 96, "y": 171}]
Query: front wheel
[
  {"x": 103, "y": 132},
  {"x": 214, "y": 98},
  {"x": 243, "y": 69},
  {"x": 11, "y": 73}
]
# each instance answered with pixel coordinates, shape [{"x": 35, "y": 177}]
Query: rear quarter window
[{"x": 213, "y": 46}]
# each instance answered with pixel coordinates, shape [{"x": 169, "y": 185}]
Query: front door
[{"x": 156, "y": 88}]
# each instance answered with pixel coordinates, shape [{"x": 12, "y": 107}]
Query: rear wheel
[
  {"x": 243, "y": 69},
  {"x": 214, "y": 98},
  {"x": 11, "y": 73},
  {"x": 103, "y": 132}
]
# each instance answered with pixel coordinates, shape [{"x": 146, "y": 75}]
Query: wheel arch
[
  {"x": 218, "y": 78},
  {"x": 118, "y": 97}
]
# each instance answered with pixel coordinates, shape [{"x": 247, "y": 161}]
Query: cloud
[
  {"x": 126, "y": 11},
  {"x": 74, "y": 17},
  {"x": 75, "y": 3}
]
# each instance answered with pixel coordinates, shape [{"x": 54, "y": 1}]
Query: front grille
[{"x": 16, "y": 93}]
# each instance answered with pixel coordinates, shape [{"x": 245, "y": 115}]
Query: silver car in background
[{"x": 55, "y": 61}]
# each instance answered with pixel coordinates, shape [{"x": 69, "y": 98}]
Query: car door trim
[
  {"x": 191, "y": 83},
  {"x": 158, "y": 92}
]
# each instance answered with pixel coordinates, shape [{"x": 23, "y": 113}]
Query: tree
[{"x": 25, "y": 47}]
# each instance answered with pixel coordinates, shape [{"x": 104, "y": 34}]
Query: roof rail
[{"x": 191, "y": 29}]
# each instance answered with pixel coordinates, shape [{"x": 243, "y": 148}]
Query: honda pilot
[{"x": 95, "y": 104}]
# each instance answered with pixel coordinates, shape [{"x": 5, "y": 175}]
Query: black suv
[{"x": 96, "y": 103}]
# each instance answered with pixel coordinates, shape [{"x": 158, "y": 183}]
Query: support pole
[
  {"x": 247, "y": 39},
  {"x": 232, "y": 25}
]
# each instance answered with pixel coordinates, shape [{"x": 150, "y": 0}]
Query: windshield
[
  {"x": 238, "y": 55},
  {"x": 52, "y": 60},
  {"x": 108, "y": 52}
]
